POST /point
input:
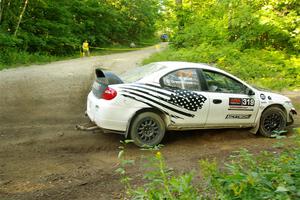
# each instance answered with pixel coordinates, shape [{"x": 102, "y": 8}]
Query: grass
[{"x": 12, "y": 58}]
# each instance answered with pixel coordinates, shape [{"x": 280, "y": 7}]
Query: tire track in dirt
[{"x": 39, "y": 108}]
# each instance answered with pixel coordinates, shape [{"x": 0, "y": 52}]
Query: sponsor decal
[
  {"x": 241, "y": 108},
  {"x": 262, "y": 96},
  {"x": 235, "y": 101},
  {"x": 238, "y": 116},
  {"x": 174, "y": 102},
  {"x": 241, "y": 101},
  {"x": 270, "y": 98}
]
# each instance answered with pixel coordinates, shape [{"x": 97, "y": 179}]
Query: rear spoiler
[
  {"x": 107, "y": 77},
  {"x": 99, "y": 73},
  {"x": 103, "y": 79}
]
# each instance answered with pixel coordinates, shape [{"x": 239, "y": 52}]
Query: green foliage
[
  {"x": 58, "y": 28},
  {"x": 12, "y": 57},
  {"x": 264, "y": 68},
  {"x": 124, "y": 163},
  {"x": 256, "y": 40},
  {"x": 246, "y": 23},
  {"x": 161, "y": 182},
  {"x": 266, "y": 176},
  {"x": 244, "y": 176}
]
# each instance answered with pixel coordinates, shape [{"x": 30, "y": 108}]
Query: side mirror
[{"x": 250, "y": 92}]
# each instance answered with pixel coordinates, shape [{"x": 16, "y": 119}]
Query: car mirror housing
[{"x": 250, "y": 92}]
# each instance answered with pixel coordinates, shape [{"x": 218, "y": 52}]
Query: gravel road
[{"x": 42, "y": 156}]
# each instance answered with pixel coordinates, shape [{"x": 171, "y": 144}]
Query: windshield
[{"x": 140, "y": 72}]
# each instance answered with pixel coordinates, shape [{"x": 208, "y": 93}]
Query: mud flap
[{"x": 254, "y": 130}]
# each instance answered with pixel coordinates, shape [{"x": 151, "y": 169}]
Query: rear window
[{"x": 140, "y": 72}]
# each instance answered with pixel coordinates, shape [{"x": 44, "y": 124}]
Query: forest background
[{"x": 257, "y": 40}]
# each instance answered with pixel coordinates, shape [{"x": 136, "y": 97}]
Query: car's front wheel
[
  {"x": 147, "y": 129},
  {"x": 273, "y": 119}
]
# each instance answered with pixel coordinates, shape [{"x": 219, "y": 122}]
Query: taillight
[{"x": 109, "y": 94}]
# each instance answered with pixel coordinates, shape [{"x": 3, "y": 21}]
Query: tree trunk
[
  {"x": 2, "y": 2},
  {"x": 179, "y": 14},
  {"x": 21, "y": 16}
]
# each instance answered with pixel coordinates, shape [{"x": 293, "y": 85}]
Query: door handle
[{"x": 217, "y": 101}]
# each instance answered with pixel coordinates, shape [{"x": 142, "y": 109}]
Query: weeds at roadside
[{"x": 267, "y": 175}]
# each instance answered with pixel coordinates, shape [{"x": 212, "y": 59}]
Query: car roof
[{"x": 169, "y": 66}]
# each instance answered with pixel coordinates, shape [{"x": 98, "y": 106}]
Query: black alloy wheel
[
  {"x": 273, "y": 119},
  {"x": 147, "y": 129}
]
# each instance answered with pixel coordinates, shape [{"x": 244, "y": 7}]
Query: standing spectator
[{"x": 85, "y": 48}]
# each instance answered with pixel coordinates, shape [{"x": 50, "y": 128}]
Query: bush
[
  {"x": 248, "y": 176},
  {"x": 244, "y": 176},
  {"x": 10, "y": 57}
]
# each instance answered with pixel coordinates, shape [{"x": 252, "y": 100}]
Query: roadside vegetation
[
  {"x": 259, "y": 41},
  {"x": 41, "y": 31},
  {"x": 273, "y": 174}
]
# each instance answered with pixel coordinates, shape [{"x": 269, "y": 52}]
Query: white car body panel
[
  {"x": 225, "y": 115},
  {"x": 111, "y": 115},
  {"x": 147, "y": 93}
]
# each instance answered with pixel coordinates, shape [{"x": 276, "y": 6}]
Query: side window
[
  {"x": 182, "y": 79},
  {"x": 217, "y": 82}
]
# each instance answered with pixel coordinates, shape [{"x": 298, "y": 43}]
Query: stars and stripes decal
[
  {"x": 186, "y": 99},
  {"x": 177, "y": 103}
]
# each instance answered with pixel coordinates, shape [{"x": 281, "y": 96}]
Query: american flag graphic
[
  {"x": 187, "y": 99},
  {"x": 179, "y": 101}
]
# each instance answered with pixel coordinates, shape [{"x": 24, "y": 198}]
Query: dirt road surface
[{"x": 42, "y": 156}]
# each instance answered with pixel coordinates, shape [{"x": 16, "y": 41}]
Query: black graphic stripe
[
  {"x": 177, "y": 117},
  {"x": 151, "y": 85},
  {"x": 158, "y": 103},
  {"x": 152, "y": 90},
  {"x": 151, "y": 105},
  {"x": 146, "y": 92},
  {"x": 158, "y": 87},
  {"x": 169, "y": 88}
]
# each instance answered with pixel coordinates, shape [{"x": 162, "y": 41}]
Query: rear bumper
[{"x": 105, "y": 114}]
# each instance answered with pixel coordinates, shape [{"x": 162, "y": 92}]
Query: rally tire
[
  {"x": 147, "y": 129},
  {"x": 272, "y": 119}
]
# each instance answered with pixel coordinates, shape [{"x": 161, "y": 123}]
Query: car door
[
  {"x": 230, "y": 105},
  {"x": 187, "y": 97}
]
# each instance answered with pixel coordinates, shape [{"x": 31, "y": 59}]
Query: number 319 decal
[{"x": 248, "y": 102}]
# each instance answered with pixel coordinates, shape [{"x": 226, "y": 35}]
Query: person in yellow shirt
[{"x": 85, "y": 48}]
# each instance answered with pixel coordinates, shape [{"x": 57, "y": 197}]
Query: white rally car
[{"x": 182, "y": 96}]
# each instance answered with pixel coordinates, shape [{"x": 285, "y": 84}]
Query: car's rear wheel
[
  {"x": 147, "y": 129},
  {"x": 273, "y": 119}
]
